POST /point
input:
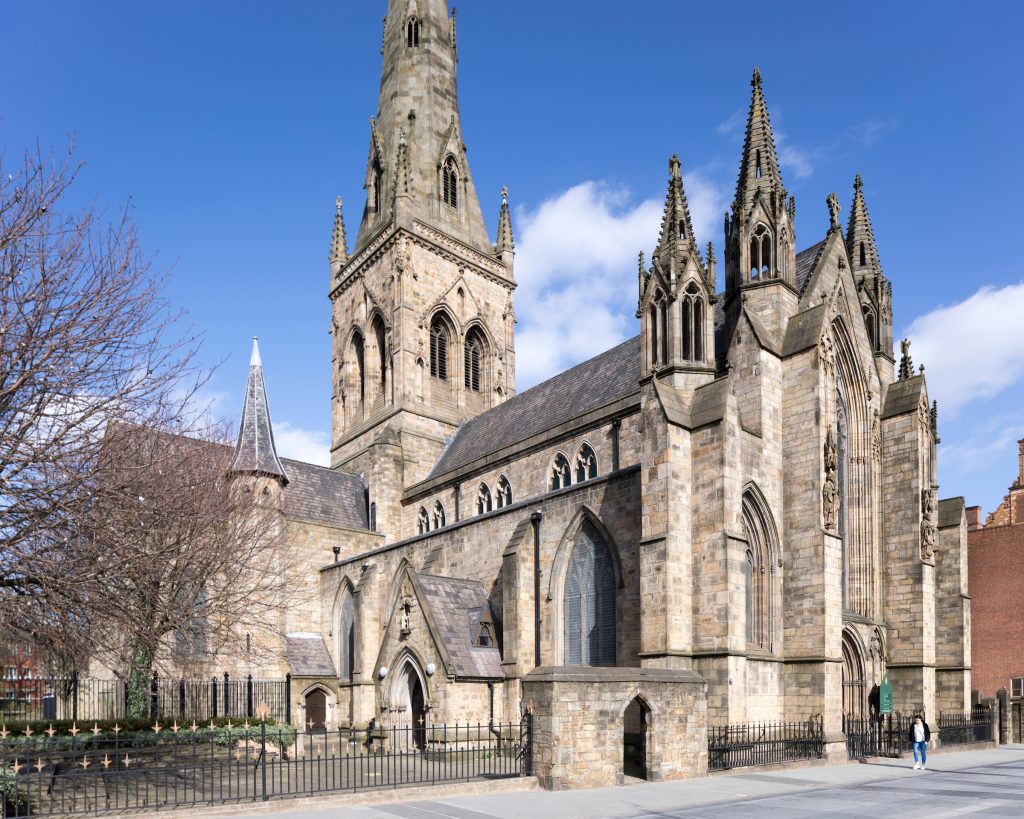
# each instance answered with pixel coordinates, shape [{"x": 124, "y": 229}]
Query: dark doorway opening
[
  {"x": 634, "y": 739},
  {"x": 316, "y": 710}
]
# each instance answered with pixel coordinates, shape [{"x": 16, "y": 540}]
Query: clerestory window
[
  {"x": 504, "y": 492},
  {"x": 586, "y": 464},
  {"x": 561, "y": 473},
  {"x": 483, "y": 499}
]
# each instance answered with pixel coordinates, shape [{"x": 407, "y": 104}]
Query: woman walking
[{"x": 919, "y": 736}]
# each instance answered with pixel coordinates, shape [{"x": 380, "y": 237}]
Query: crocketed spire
[
  {"x": 255, "y": 452},
  {"x": 759, "y": 167},
  {"x": 860, "y": 238},
  {"x": 506, "y": 242},
  {"x": 339, "y": 245},
  {"x": 676, "y": 233}
]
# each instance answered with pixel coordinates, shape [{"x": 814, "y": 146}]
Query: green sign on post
[{"x": 885, "y": 696}]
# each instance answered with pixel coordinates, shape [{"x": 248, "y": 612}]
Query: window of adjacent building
[
  {"x": 439, "y": 348},
  {"x": 504, "y": 492},
  {"x": 412, "y": 33},
  {"x": 586, "y": 464},
  {"x": 347, "y": 636},
  {"x": 1017, "y": 687},
  {"x": 589, "y": 603},
  {"x": 474, "y": 348},
  {"x": 561, "y": 473},
  {"x": 483, "y": 499},
  {"x": 450, "y": 183}
]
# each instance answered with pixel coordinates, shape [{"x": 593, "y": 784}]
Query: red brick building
[{"x": 996, "y": 578}]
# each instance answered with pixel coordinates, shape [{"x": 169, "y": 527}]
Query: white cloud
[
  {"x": 971, "y": 349},
  {"x": 798, "y": 160},
  {"x": 987, "y": 443},
  {"x": 733, "y": 124},
  {"x": 869, "y": 132},
  {"x": 311, "y": 446},
  {"x": 576, "y": 265}
]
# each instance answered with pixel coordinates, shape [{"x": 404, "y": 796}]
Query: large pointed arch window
[
  {"x": 347, "y": 636},
  {"x": 842, "y": 476},
  {"x": 761, "y": 252},
  {"x": 760, "y": 580},
  {"x": 380, "y": 338},
  {"x": 439, "y": 342},
  {"x": 473, "y": 365},
  {"x": 450, "y": 183},
  {"x": 359, "y": 362},
  {"x": 589, "y": 603}
]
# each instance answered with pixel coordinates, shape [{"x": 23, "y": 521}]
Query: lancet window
[
  {"x": 504, "y": 492},
  {"x": 561, "y": 473},
  {"x": 450, "y": 183},
  {"x": 439, "y": 340},
  {"x": 759, "y": 571},
  {"x": 761, "y": 252},
  {"x": 693, "y": 324},
  {"x": 438, "y": 514},
  {"x": 412, "y": 33},
  {"x": 422, "y": 522},
  {"x": 359, "y": 359},
  {"x": 483, "y": 499},
  {"x": 474, "y": 349},
  {"x": 586, "y": 464},
  {"x": 347, "y": 636}
]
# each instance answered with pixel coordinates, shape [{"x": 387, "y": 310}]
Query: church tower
[
  {"x": 874, "y": 290},
  {"x": 760, "y": 255},
  {"x": 422, "y": 318}
]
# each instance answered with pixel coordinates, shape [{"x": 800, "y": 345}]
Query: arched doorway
[
  {"x": 854, "y": 690},
  {"x": 409, "y": 701},
  {"x": 316, "y": 710},
  {"x": 635, "y": 721}
]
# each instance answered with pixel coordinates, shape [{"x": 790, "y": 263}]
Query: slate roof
[
  {"x": 325, "y": 495},
  {"x": 803, "y": 330},
  {"x": 455, "y": 608},
  {"x": 308, "y": 656},
  {"x": 950, "y": 511},
  {"x": 607, "y": 377},
  {"x": 806, "y": 261},
  {"x": 903, "y": 396}
]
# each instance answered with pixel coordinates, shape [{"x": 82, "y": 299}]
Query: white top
[{"x": 918, "y": 732}]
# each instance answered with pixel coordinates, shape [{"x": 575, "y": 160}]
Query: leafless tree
[{"x": 110, "y": 523}]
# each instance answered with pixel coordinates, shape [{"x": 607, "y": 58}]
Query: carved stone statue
[
  {"x": 830, "y": 489},
  {"x": 927, "y": 524}
]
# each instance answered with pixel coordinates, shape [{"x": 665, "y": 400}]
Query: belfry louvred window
[
  {"x": 439, "y": 349},
  {"x": 474, "y": 354},
  {"x": 412, "y": 33}
]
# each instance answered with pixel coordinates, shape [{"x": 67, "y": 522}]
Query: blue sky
[{"x": 230, "y": 127}]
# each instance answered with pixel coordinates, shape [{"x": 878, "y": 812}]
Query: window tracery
[
  {"x": 589, "y": 607},
  {"x": 761, "y": 252},
  {"x": 483, "y": 499},
  {"x": 504, "y": 492},
  {"x": 561, "y": 472},
  {"x": 586, "y": 464}
]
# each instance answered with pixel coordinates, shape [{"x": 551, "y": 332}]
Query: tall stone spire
[
  {"x": 419, "y": 99},
  {"x": 875, "y": 289},
  {"x": 339, "y": 245},
  {"x": 255, "y": 452},
  {"x": 676, "y": 238},
  {"x": 759, "y": 166}
]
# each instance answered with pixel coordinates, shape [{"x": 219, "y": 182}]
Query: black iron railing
[
  {"x": 766, "y": 743},
  {"x": 885, "y": 735},
  {"x": 963, "y": 729},
  {"x": 29, "y": 699},
  {"x": 83, "y": 771}
]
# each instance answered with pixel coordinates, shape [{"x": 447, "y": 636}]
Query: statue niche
[{"x": 830, "y": 489}]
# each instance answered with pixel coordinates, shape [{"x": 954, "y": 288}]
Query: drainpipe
[
  {"x": 458, "y": 493},
  {"x": 535, "y": 520},
  {"x": 616, "y": 426}
]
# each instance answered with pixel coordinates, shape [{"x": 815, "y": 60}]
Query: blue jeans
[{"x": 923, "y": 746}]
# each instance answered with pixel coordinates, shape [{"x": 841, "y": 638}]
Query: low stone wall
[{"x": 580, "y": 716}]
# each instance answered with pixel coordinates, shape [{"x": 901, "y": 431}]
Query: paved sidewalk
[{"x": 975, "y": 783}]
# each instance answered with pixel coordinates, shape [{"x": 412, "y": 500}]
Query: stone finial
[
  {"x": 906, "y": 363},
  {"x": 858, "y": 183},
  {"x": 833, "y": 211},
  {"x": 755, "y": 81},
  {"x": 673, "y": 166}
]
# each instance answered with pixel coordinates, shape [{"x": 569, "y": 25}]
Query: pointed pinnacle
[{"x": 858, "y": 183}]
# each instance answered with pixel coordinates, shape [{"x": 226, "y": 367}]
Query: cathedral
[{"x": 730, "y": 517}]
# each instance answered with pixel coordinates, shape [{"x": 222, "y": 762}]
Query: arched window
[
  {"x": 658, "y": 322},
  {"x": 376, "y": 179},
  {"x": 863, "y": 255},
  {"x": 439, "y": 348},
  {"x": 761, "y": 252},
  {"x": 682, "y": 228},
  {"x": 438, "y": 515},
  {"x": 347, "y": 636},
  {"x": 483, "y": 499},
  {"x": 450, "y": 183},
  {"x": 561, "y": 474},
  {"x": 360, "y": 363},
  {"x": 422, "y": 522},
  {"x": 842, "y": 476},
  {"x": 474, "y": 349},
  {"x": 869, "y": 325},
  {"x": 759, "y": 571},
  {"x": 373, "y": 516},
  {"x": 380, "y": 337},
  {"x": 586, "y": 464},
  {"x": 693, "y": 324},
  {"x": 589, "y": 605},
  {"x": 757, "y": 166},
  {"x": 504, "y": 492},
  {"x": 412, "y": 33}
]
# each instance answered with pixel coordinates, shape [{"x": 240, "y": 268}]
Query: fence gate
[{"x": 877, "y": 735}]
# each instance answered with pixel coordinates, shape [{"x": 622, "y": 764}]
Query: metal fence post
[
  {"x": 248, "y": 697},
  {"x": 288, "y": 698},
  {"x": 263, "y": 751},
  {"x": 154, "y": 701},
  {"x": 74, "y": 695},
  {"x": 181, "y": 697},
  {"x": 528, "y": 756},
  {"x": 227, "y": 705},
  {"x": 213, "y": 697}
]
